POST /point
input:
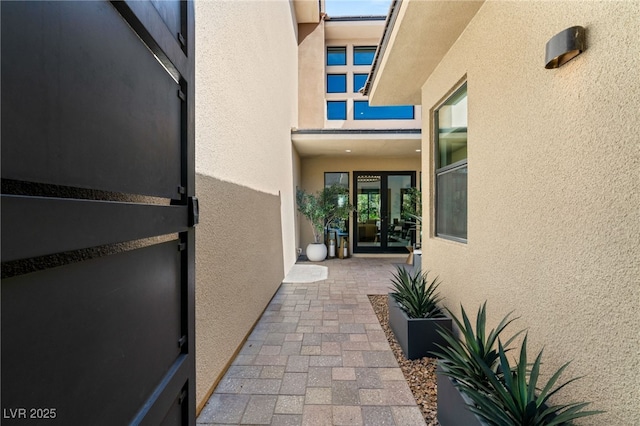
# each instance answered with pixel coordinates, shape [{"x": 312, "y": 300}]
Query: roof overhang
[
  {"x": 355, "y": 27},
  {"x": 418, "y": 35},
  {"x": 368, "y": 143},
  {"x": 307, "y": 11}
]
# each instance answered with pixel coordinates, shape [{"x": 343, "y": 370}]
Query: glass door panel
[
  {"x": 368, "y": 192},
  {"x": 381, "y": 225},
  {"x": 400, "y": 228}
]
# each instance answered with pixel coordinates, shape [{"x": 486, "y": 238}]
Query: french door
[{"x": 381, "y": 224}]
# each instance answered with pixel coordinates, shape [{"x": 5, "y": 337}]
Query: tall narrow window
[
  {"x": 340, "y": 227},
  {"x": 363, "y": 55},
  {"x": 336, "y": 55},
  {"x": 450, "y": 122},
  {"x": 336, "y": 83}
]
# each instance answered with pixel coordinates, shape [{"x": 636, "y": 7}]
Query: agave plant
[
  {"x": 458, "y": 360},
  {"x": 513, "y": 398},
  {"x": 415, "y": 295}
]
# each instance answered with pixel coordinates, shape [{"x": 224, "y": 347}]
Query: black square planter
[
  {"x": 417, "y": 336},
  {"x": 453, "y": 405}
]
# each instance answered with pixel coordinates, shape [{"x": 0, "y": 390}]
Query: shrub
[
  {"x": 502, "y": 394},
  {"x": 459, "y": 358},
  {"x": 415, "y": 295},
  {"x": 514, "y": 398}
]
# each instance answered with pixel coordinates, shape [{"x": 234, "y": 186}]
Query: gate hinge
[
  {"x": 182, "y": 396},
  {"x": 182, "y": 246},
  {"x": 182, "y": 341},
  {"x": 194, "y": 214},
  {"x": 182, "y": 96}
]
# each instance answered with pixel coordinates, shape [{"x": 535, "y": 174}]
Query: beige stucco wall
[
  {"x": 311, "y": 76},
  {"x": 246, "y": 104},
  {"x": 312, "y": 178},
  {"x": 554, "y": 184},
  {"x": 235, "y": 280}
]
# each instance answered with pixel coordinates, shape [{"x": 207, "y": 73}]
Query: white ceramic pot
[{"x": 316, "y": 252}]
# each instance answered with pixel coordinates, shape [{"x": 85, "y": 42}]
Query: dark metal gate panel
[
  {"x": 79, "y": 73},
  {"x": 94, "y": 223},
  {"x": 98, "y": 210},
  {"x": 112, "y": 323}
]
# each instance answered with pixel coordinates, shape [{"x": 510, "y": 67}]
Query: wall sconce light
[{"x": 564, "y": 46}]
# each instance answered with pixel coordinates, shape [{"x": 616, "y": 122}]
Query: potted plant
[
  {"x": 513, "y": 397},
  {"x": 458, "y": 368},
  {"x": 323, "y": 209},
  {"x": 489, "y": 390},
  {"x": 414, "y": 314}
]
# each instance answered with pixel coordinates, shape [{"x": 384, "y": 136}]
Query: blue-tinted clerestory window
[
  {"x": 336, "y": 110},
  {"x": 363, "y": 111},
  {"x": 336, "y": 83},
  {"x": 358, "y": 81},
  {"x": 336, "y": 55},
  {"x": 363, "y": 55}
]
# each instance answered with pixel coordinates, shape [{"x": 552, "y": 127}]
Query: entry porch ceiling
[
  {"x": 416, "y": 41},
  {"x": 354, "y": 29},
  {"x": 360, "y": 143}
]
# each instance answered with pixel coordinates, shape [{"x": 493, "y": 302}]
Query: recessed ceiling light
[
  {"x": 418, "y": 150},
  {"x": 347, "y": 150}
]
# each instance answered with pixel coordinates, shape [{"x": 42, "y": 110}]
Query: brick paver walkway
[{"x": 318, "y": 356}]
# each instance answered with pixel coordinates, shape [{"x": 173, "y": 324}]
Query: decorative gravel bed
[{"x": 419, "y": 373}]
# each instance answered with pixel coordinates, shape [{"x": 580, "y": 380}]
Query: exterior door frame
[{"x": 384, "y": 214}]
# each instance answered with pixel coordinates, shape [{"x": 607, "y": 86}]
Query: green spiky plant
[
  {"x": 415, "y": 295},
  {"x": 514, "y": 399},
  {"x": 457, "y": 360}
]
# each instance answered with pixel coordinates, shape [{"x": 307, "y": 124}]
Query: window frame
[
  {"x": 347, "y": 186},
  {"x": 365, "y": 74},
  {"x": 329, "y": 101},
  {"x": 458, "y": 165},
  {"x": 343, "y": 75},
  {"x": 356, "y": 48},
  {"x": 366, "y": 101},
  {"x": 326, "y": 61}
]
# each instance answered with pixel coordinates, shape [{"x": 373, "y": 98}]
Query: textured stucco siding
[
  {"x": 246, "y": 98},
  {"x": 311, "y": 76},
  {"x": 246, "y": 104},
  {"x": 238, "y": 269},
  {"x": 553, "y": 184}
]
